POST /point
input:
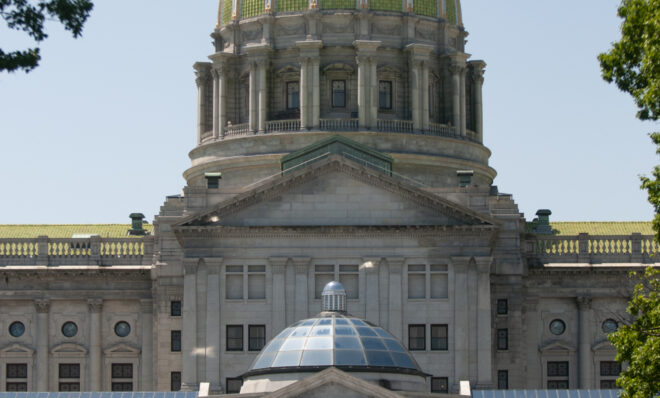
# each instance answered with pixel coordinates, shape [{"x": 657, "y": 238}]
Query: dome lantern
[{"x": 334, "y": 297}]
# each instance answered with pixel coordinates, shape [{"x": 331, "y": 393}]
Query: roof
[
  {"x": 598, "y": 227},
  {"x": 66, "y": 230}
]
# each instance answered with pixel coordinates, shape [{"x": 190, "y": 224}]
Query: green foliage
[
  {"x": 633, "y": 63},
  {"x": 29, "y": 17},
  {"x": 638, "y": 344}
]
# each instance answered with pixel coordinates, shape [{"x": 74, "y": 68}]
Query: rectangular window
[
  {"x": 339, "y": 93},
  {"x": 608, "y": 384},
  {"x": 417, "y": 337},
  {"x": 558, "y": 369},
  {"x": 117, "y": 386},
  {"x": 557, "y": 384},
  {"x": 385, "y": 95},
  {"x": 234, "y": 282},
  {"x": 502, "y": 306},
  {"x": 502, "y": 379},
  {"x": 234, "y": 337},
  {"x": 17, "y": 386},
  {"x": 121, "y": 371},
  {"x": 322, "y": 275},
  {"x": 610, "y": 368},
  {"x": 256, "y": 282},
  {"x": 349, "y": 276},
  {"x": 69, "y": 371},
  {"x": 292, "y": 95},
  {"x": 68, "y": 387},
  {"x": 233, "y": 385},
  {"x": 175, "y": 381},
  {"x": 175, "y": 341},
  {"x": 440, "y": 384},
  {"x": 439, "y": 337},
  {"x": 502, "y": 339},
  {"x": 256, "y": 337},
  {"x": 416, "y": 281},
  {"x": 16, "y": 372},
  {"x": 439, "y": 281},
  {"x": 175, "y": 308}
]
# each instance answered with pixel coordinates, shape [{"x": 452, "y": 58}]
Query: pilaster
[
  {"x": 278, "y": 270},
  {"x": 532, "y": 329},
  {"x": 478, "y": 81},
  {"x": 213, "y": 330},
  {"x": 189, "y": 332},
  {"x": 42, "y": 307},
  {"x": 371, "y": 266},
  {"x": 301, "y": 265},
  {"x": 585, "y": 361},
  {"x": 396, "y": 296},
  {"x": 95, "y": 307},
  {"x": 366, "y": 51},
  {"x": 146, "y": 323},
  {"x": 461, "y": 326},
  {"x": 484, "y": 326}
]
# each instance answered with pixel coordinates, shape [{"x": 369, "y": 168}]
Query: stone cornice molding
[
  {"x": 42, "y": 306},
  {"x": 366, "y": 46},
  {"x": 419, "y": 51},
  {"x": 460, "y": 264},
  {"x": 95, "y": 306},
  {"x": 275, "y": 186},
  {"x": 190, "y": 266},
  {"x": 258, "y": 50},
  {"x": 586, "y": 269},
  {"x": 483, "y": 264},
  {"x": 301, "y": 264}
]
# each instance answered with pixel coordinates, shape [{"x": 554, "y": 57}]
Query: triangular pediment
[
  {"x": 556, "y": 346},
  {"x": 336, "y": 192},
  {"x": 69, "y": 349},
  {"x": 332, "y": 382},
  {"x": 120, "y": 350},
  {"x": 14, "y": 350}
]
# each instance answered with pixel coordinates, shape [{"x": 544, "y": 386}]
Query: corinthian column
[
  {"x": 310, "y": 107},
  {"x": 419, "y": 79},
  {"x": 253, "y": 115},
  {"x": 202, "y": 70},
  {"x": 258, "y": 56},
  {"x": 95, "y": 307},
  {"x": 478, "y": 81},
  {"x": 367, "y": 82},
  {"x": 42, "y": 307},
  {"x": 457, "y": 70}
]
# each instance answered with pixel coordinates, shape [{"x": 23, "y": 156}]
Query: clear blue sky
[{"x": 103, "y": 127}]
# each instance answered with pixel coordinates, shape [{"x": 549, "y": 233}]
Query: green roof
[
  {"x": 598, "y": 227},
  {"x": 66, "y": 230}
]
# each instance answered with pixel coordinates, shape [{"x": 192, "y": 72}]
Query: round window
[
  {"x": 557, "y": 327},
  {"x": 69, "y": 329},
  {"x": 122, "y": 329},
  {"x": 610, "y": 326},
  {"x": 17, "y": 329}
]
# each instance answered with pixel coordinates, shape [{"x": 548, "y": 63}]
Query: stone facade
[{"x": 429, "y": 249}]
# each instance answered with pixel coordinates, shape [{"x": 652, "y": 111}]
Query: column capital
[
  {"x": 583, "y": 303},
  {"x": 42, "y": 306},
  {"x": 190, "y": 266},
  {"x": 278, "y": 264},
  {"x": 95, "y": 306},
  {"x": 460, "y": 264},
  {"x": 419, "y": 50},
  {"x": 366, "y": 46}
]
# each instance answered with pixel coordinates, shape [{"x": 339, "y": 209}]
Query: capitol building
[{"x": 339, "y": 233}]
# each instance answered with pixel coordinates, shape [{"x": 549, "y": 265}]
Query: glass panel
[
  {"x": 347, "y": 343},
  {"x": 373, "y": 343},
  {"x": 256, "y": 268},
  {"x": 439, "y": 286},
  {"x": 416, "y": 286},
  {"x": 325, "y": 268},
  {"x": 416, "y": 268},
  {"x": 319, "y": 343},
  {"x": 394, "y": 345},
  {"x": 301, "y": 331},
  {"x": 358, "y": 322},
  {"x": 348, "y": 268},
  {"x": 274, "y": 345},
  {"x": 264, "y": 361},
  {"x": 349, "y": 357},
  {"x": 382, "y": 333},
  {"x": 284, "y": 333},
  {"x": 309, "y": 322},
  {"x": 317, "y": 358},
  {"x": 379, "y": 358},
  {"x": 344, "y": 331},
  {"x": 288, "y": 358},
  {"x": 341, "y": 321},
  {"x": 403, "y": 360},
  {"x": 234, "y": 286},
  {"x": 366, "y": 331},
  {"x": 439, "y": 268},
  {"x": 256, "y": 286},
  {"x": 234, "y": 268},
  {"x": 321, "y": 331},
  {"x": 351, "y": 285},
  {"x": 293, "y": 344},
  {"x": 327, "y": 321}
]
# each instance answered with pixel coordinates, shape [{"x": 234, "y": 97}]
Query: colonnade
[{"x": 258, "y": 59}]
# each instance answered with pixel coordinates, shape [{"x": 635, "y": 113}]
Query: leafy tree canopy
[
  {"x": 29, "y": 16},
  {"x": 638, "y": 344},
  {"x": 633, "y": 62}
]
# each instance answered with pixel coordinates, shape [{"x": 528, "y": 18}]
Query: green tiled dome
[{"x": 446, "y": 9}]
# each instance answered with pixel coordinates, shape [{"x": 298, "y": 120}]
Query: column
[
  {"x": 484, "y": 327},
  {"x": 585, "y": 362},
  {"x": 304, "y": 91},
  {"x": 418, "y": 58},
  {"x": 147, "y": 357},
  {"x": 278, "y": 268},
  {"x": 219, "y": 93},
  {"x": 366, "y": 52},
  {"x": 301, "y": 265},
  {"x": 425, "y": 95},
  {"x": 478, "y": 81},
  {"x": 415, "y": 105},
  {"x": 316, "y": 92},
  {"x": 461, "y": 326},
  {"x": 457, "y": 69},
  {"x": 253, "y": 115},
  {"x": 396, "y": 296},
  {"x": 95, "y": 307},
  {"x": 213, "y": 324},
  {"x": 216, "y": 101},
  {"x": 202, "y": 73},
  {"x": 189, "y": 332},
  {"x": 262, "y": 65},
  {"x": 463, "y": 105},
  {"x": 42, "y": 307}
]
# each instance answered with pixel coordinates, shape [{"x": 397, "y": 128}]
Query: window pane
[
  {"x": 234, "y": 337},
  {"x": 175, "y": 308},
  {"x": 256, "y": 286},
  {"x": 416, "y": 286},
  {"x": 69, "y": 371},
  {"x": 320, "y": 280},
  {"x": 385, "y": 94},
  {"x": 175, "y": 381},
  {"x": 502, "y": 307},
  {"x": 439, "y": 384},
  {"x": 557, "y": 369},
  {"x": 338, "y": 93},
  {"x": 610, "y": 368},
  {"x": 16, "y": 370},
  {"x": 234, "y": 286},
  {"x": 439, "y": 286},
  {"x": 439, "y": 337},
  {"x": 416, "y": 337},
  {"x": 175, "y": 345},
  {"x": 351, "y": 284},
  {"x": 257, "y": 337},
  {"x": 502, "y": 339},
  {"x": 292, "y": 95},
  {"x": 234, "y": 385},
  {"x": 502, "y": 379}
]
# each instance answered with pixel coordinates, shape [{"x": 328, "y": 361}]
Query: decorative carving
[
  {"x": 584, "y": 303},
  {"x": 95, "y": 305},
  {"x": 42, "y": 306},
  {"x": 338, "y": 26}
]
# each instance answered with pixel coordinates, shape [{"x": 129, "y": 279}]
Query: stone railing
[
  {"x": 236, "y": 130},
  {"x": 76, "y": 251},
  {"x": 338, "y": 124},
  {"x": 585, "y": 248},
  {"x": 283, "y": 125},
  {"x": 395, "y": 126}
]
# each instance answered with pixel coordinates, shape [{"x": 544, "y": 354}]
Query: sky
[{"x": 103, "y": 127}]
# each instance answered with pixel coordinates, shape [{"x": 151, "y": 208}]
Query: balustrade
[
  {"x": 585, "y": 248},
  {"x": 338, "y": 124},
  {"x": 234, "y": 130},
  {"x": 76, "y": 251},
  {"x": 283, "y": 125},
  {"x": 395, "y": 126}
]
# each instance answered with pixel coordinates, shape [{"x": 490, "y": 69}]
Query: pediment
[
  {"x": 69, "y": 349},
  {"x": 121, "y": 350},
  {"x": 336, "y": 192},
  {"x": 288, "y": 69},
  {"x": 556, "y": 346},
  {"x": 603, "y": 345},
  {"x": 332, "y": 382},
  {"x": 14, "y": 350}
]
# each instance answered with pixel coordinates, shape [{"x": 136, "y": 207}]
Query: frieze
[
  {"x": 338, "y": 27},
  {"x": 284, "y": 29},
  {"x": 393, "y": 29}
]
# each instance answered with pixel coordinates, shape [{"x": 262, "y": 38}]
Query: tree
[
  {"x": 638, "y": 343},
  {"x": 29, "y": 17}
]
